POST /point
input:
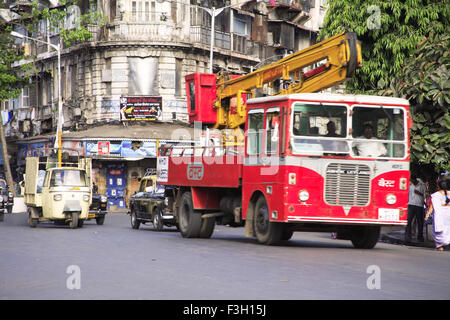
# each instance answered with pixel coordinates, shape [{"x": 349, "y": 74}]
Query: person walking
[
  {"x": 417, "y": 190},
  {"x": 440, "y": 207}
]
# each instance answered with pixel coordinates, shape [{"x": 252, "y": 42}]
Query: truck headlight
[
  {"x": 303, "y": 195},
  {"x": 1, "y": 198},
  {"x": 391, "y": 199},
  {"x": 166, "y": 201},
  {"x": 10, "y": 194},
  {"x": 86, "y": 197},
  {"x": 103, "y": 198},
  {"x": 57, "y": 197}
]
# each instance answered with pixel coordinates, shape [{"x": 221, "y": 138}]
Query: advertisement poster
[
  {"x": 140, "y": 108},
  {"x": 145, "y": 149},
  {"x": 91, "y": 148}
]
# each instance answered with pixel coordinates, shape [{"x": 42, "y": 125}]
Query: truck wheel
[
  {"x": 100, "y": 220},
  {"x": 207, "y": 228},
  {"x": 32, "y": 222},
  {"x": 287, "y": 233},
  {"x": 135, "y": 223},
  {"x": 365, "y": 237},
  {"x": 190, "y": 222},
  {"x": 74, "y": 221},
  {"x": 157, "y": 220},
  {"x": 267, "y": 232}
]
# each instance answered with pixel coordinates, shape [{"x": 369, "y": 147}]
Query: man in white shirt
[
  {"x": 369, "y": 149},
  {"x": 417, "y": 191}
]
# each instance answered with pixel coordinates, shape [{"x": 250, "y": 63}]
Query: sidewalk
[{"x": 396, "y": 235}]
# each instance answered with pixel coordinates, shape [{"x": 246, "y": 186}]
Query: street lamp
[
  {"x": 60, "y": 115},
  {"x": 213, "y": 12}
]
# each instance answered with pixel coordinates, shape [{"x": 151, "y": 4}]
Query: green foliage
[
  {"x": 424, "y": 80},
  {"x": 389, "y": 32},
  {"x": 405, "y": 49},
  {"x": 13, "y": 78},
  {"x": 9, "y": 54}
]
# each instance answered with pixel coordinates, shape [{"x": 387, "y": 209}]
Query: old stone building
[{"x": 143, "y": 50}]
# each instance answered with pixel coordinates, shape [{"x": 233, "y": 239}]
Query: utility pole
[{"x": 5, "y": 156}]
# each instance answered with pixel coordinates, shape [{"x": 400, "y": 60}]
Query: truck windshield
[
  {"x": 384, "y": 127},
  {"x": 319, "y": 128},
  {"x": 68, "y": 178}
]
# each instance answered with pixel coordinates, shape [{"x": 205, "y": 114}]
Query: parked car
[
  {"x": 151, "y": 204},
  {"x": 7, "y": 199}
]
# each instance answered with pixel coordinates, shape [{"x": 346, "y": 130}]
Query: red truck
[{"x": 308, "y": 162}]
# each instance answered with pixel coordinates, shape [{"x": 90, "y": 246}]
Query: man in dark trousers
[{"x": 417, "y": 190}]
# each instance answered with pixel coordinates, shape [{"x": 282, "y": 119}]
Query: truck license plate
[{"x": 388, "y": 214}]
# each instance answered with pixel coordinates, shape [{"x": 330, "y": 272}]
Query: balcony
[
  {"x": 148, "y": 31},
  {"x": 202, "y": 35}
]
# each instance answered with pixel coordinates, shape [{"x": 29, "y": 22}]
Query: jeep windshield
[{"x": 68, "y": 178}]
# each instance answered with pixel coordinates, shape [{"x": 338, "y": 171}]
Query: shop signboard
[{"x": 141, "y": 108}]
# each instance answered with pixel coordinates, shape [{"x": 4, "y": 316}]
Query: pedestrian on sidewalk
[
  {"x": 417, "y": 191},
  {"x": 440, "y": 208}
]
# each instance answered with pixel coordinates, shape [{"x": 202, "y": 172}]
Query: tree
[
  {"x": 424, "y": 81},
  {"x": 389, "y": 32},
  {"x": 12, "y": 78}
]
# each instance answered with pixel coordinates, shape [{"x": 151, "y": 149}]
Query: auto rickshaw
[{"x": 58, "y": 192}]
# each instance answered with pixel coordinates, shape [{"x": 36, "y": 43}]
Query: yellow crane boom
[{"x": 339, "y": 57}]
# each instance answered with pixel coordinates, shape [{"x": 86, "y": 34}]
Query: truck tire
[
  {"x": 135, "y": 223},
  {"x": 190, "y": 221},
  {"x": 267, "y": 232},
  {"x": 287, "y": 233},
  {"x": 157, "y": 220},
  {"x": 365, "y": 237},
  {"x": 207, "y": 228},
  {"x": 74, "y": 221}
]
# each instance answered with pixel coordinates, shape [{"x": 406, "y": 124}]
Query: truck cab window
[
  {"x": 384, "y": 127},
  {"x": 255, "y": 132}
]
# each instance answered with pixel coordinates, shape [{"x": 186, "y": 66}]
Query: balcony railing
[
  {"x": 161, "y": 32},
  {"x": 202, "y": 35}
]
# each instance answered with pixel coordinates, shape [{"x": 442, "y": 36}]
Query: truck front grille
[{"x": 347, "y": 184}]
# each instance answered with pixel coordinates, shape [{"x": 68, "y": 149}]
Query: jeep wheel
[
  {"x": 267, "y": 232},
  {"x": 190, "y": 222},
  {"x": 100, "y": 220},
  {"x": 157, "y": 220},
  {"x": 73, "y": 223},
  {"x": 135, "y": 223}
]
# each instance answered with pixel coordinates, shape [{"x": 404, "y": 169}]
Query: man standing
[{"x": 417, "y": 190}]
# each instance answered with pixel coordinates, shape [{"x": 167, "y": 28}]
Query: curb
[{"x": 399, "y": 238}]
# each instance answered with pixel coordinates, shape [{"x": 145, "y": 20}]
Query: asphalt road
[{"x": 114, "y": 261}]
